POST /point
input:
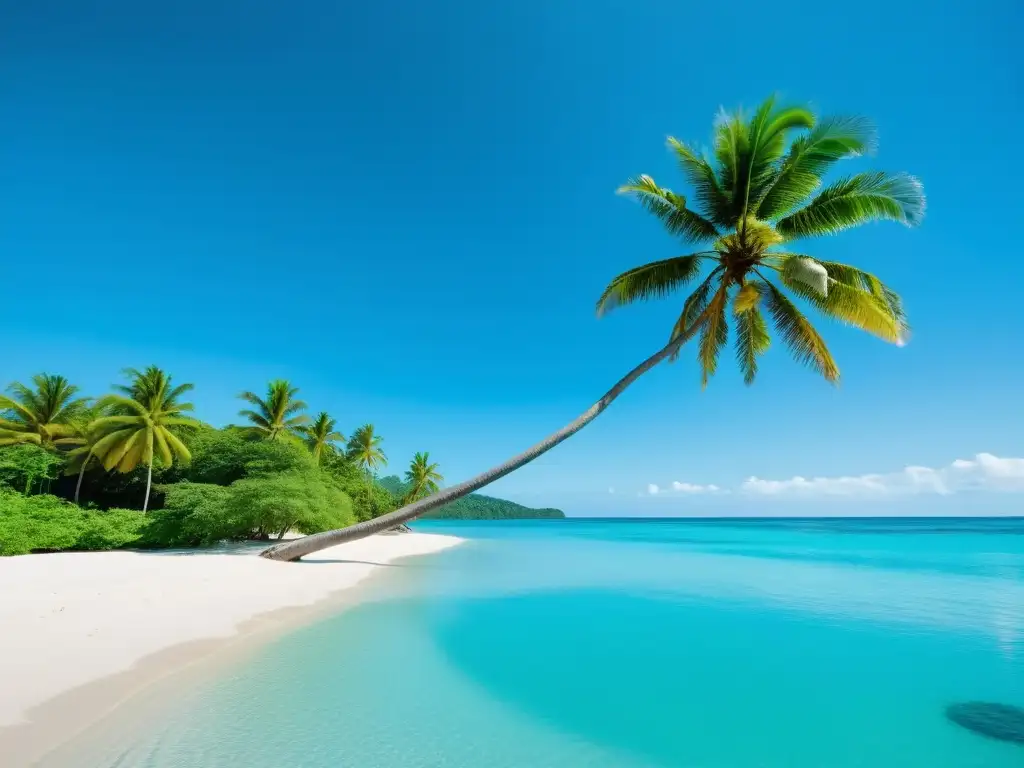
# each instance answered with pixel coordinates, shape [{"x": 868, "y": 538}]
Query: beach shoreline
[{"x": 85, "y": 632}]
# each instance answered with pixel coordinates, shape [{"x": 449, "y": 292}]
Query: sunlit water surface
[{"x": 600, "y": 644}]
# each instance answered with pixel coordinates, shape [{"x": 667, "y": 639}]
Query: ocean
[{"x": 805, "y": 643}]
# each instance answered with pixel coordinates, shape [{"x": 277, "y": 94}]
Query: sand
[{"x": 69, "y": 620}]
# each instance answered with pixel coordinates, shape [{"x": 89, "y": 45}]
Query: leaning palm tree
[
  {"x": 422, "y": 477},
  {"x": 760, "y": 191},
  {"x": 145, "y": 421},
  {"x": 364, "y": 450},
  {"x": 321, "y": 435},
  {"x": 41, "y": 413},
  {"x": 277, "y": 415}
]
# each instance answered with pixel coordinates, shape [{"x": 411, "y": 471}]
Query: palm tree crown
[
  {"x": 422, "y": 477},
  {"x": 321, "y": 434},
  {"x": 364, "y": 449},
  {"x": 277, "y": 415},
  {"x": 40, "y": 414},
  {"x": 762, "y": 190},
  {"x": 144, "y": 422}
]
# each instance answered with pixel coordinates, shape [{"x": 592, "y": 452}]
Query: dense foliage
[
  {"x": 196, "y": 485},
  {"x": 45, "y": 523},
  {"x": 475, "y": 506}
]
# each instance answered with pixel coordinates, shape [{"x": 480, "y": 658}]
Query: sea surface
[{"x": 638, "y": 644}]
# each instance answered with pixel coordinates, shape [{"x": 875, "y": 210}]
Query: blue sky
[{"x": 408, "y": 209}]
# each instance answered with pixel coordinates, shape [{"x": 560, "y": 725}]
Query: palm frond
[
  {"x": 857, "y": 200},
  {"x": 649, "y": 281},
  {"x": 257, "y": 419},
  {"x": 253, "y": 399},
  {"x": 809, "y": 157},
  {"x": 803, "y": 340},
  {"x": 179, "y": 449},
  {"x": 670, "y": 209},
  {"x": 730, "y": 144},
  {"x": 752, "y": 338},
  {"x": 847, "y": 302},
  {"x": 692, "y": 317},
  {"x": 766, "y": 134},
  {"x": 714, "y": 334},
  {"x": 858, "y": 278},
  {"x": 715, "y": 204},
  {"x": 162, "y": 449},
  {"x": 293, "y": 407}
]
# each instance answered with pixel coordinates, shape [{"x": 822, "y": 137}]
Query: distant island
[{"x": 475, "y": 506}]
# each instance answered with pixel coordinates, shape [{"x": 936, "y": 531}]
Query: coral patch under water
[{"x": 997, "y": 721}]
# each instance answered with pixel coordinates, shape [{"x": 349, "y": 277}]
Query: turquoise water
[{"x": 600, "y": 644}]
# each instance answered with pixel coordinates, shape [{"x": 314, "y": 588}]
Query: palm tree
[
  {"x": 144, "y": 422},
  {"x": 321, "y": 434},
  {"x": 422, "y": 477},
  {"x": 39, "y": 414},
  {"x": 81, "y": 438},
  {"x": 761, "y": 190},
  {"x": 278, "y": 415},
  {"x": 364, "y": 449}
]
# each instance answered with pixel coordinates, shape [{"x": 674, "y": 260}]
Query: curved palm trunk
[
  {"x": 81, "y": 474},
  {"x": 149, "y": 485},
  {"x": 293, "y": 550}
]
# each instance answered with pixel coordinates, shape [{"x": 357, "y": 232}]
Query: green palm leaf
[
  {"x": 278, "y": 415},
  {"x": 752, "y": 337},
  {"x": 858, "y": 200},
  {"x": 799, "y": 335},
  {"x": 39, "y": 414},
  {"x": 649, "y": 282},
  {"x": 715, "y": 204},
  {"x": 692, "y": 317},
  {"x": 670, "y": 209},
  {"x": 849, "y": 302},
  {"x": 765, "y": 142},
  {"x": 714, "y": 334},
  {"x": 809, "y": 157}
]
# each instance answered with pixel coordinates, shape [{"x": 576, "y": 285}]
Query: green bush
[
  {"x": 369, "y": 500},
  {"x": 47, "y": 524},
  {"x": 111, "y": 529},
  {"x": 37, "y": 524},
  {"x": 258, "y": 507},
  {"x": 25, "y": 466},
  {"x": 193, "y": 514},
  {"x": 283, "y": 501}
]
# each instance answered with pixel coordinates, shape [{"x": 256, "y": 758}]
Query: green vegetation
[
  {"x": 45, "y": 523},
  {"x": 475, "y": 506},
  {"x": 196, "y": 485},
  {"x": 39, "y": 415},
  {"x": 759, "y": 191}
]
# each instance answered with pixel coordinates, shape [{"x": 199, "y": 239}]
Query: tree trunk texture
[
  {"x": 149, "y": 485},
  {"x": 81, "y": 474},
  {"x": 293, "y": 550}
]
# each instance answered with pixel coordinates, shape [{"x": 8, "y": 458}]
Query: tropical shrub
[{"x": 45, "y": 523}]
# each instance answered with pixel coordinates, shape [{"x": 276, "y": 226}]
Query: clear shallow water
[{"x": 607, "y": 644}]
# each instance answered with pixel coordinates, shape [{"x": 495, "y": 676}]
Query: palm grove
[{"x": 111, "y": 457}]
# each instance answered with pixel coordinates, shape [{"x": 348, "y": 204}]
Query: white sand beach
[{"x": 70, "y": 619}]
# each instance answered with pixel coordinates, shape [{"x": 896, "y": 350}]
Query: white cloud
[
  {"x": 677, "y": 488},
  {"x": 611, "y": 490},
  {"x": 691, "y": 488},
  {"x": 983, "y": 472}
]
